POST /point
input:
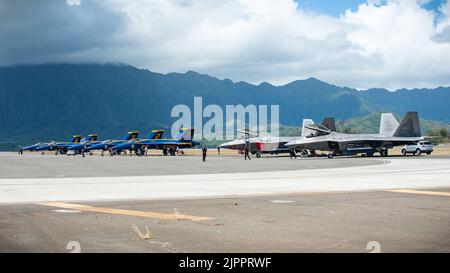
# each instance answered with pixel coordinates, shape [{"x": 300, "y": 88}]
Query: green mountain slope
[{"x": 55, "y": 101}]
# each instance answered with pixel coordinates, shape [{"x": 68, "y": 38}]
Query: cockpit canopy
[{"x": 319, "y": 130}]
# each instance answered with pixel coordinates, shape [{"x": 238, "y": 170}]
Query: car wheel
[
  {"x": 418, "y": 152},
  {"x": 404, "y": 152},
  {"x": 330, "y": 156},
  {"x": 258, "y": 155}
]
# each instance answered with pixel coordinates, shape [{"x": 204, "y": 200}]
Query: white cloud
[
  {"x": 391, "y": 44},
  {"x": 73, "y": 2}
]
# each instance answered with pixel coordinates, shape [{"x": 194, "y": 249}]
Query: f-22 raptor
[
  {"x": 260, "y": 144},
  {"x": 391, "y": 134}
]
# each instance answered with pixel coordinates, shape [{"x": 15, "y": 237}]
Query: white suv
[{"x": 418, "y": 148}]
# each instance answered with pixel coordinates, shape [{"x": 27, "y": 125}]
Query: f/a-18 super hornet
[
  {"x": 33, "y": 147},
  {"x": 84, "y": 145},
  {"x": 107, "y": 145},
  {"x": 391, "y": 134},
  {"x": 259, "y": 144},
  {"x": 128, "y": 145},
  {"x": 59, "y": 147},
  {"x": 184, "y": 139}
]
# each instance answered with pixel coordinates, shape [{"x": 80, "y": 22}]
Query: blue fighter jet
[
  {"x": 108, "y": 144},
  {"x": 33, "y": 147},
  {"x": 59, "y": 147},
  {"x": 129, "y": 145},
  {"x": 84, "y": 145},
  {"x": 182, "y": 140}
]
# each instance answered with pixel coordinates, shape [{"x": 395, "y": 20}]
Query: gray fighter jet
[
  {"x": 259, "y": 144},
  {"x": 391, "y": 134}
]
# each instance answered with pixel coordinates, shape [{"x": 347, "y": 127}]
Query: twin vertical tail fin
[
  {"x": 131, "y": 135},
  {"x": 388, "y": 124},
  {"x": 409, "y": 126},
  {"x": 330, "y": 124},
  {"x": 305, "y": 131},
  {"x": 156, "y": 134},
  {"x": 186, "y": 134},
  {"x": 76, "y": 139},
  {"x": 93, "y": 137}
]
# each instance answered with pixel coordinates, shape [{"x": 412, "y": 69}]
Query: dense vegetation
[{"x": 45, "y": 102}]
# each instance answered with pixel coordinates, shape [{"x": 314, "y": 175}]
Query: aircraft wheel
[
  {"x": 418, "y": 152},
  {"x": 384, "y": 153},
  {"x": 330, "y": 156},
  {"x": 404, "y": 152},
  {"x": 258, "y": 155}
]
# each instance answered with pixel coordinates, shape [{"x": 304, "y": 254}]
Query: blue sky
[{"x": 335, "y": 8}]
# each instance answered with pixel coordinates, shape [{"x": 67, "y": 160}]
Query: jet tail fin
[
  {"x": 76, "y": 139},
  {"x": 93, "y": 137},
  {"x": 330, "y": 124},
  {"x": 306, "y": 131},
  {"x": 131, "y": 135},
  {"x": 156, "y": 134},
  {"x": 409, "y": 126},
  {"x": 185, "y": 134},
  {"x": 388, "y": 124}
]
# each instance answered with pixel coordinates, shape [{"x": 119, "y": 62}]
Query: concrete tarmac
[
  {"x": 34, "y": 165},
  {"x": 327, "y": 222}
]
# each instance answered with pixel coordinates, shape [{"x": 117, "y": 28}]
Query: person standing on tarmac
[
  {"x": 293, "y": 154},
  {"x": 247, "y": 152},
  {"x": 204, "y": 151}
]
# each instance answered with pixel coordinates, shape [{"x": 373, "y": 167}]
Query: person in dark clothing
[
  {"x": 204, "y": 151},
  {"x": 293, "y": 154},
  {"x": 247, "y": 153},
  {"x": 218, "y": 150}
]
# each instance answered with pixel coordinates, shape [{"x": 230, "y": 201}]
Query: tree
[{"x": 443, "y": 133}]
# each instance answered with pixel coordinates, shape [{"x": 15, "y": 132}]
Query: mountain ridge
[{"x": 58, "y": 100}]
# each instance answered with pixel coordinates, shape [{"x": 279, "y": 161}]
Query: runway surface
[
  {"x": 51, "y": 166},
  {"x": 301, "y": 176}
]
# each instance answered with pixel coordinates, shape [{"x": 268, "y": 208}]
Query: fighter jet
[
  {"x": 120, "y": 147},
  {"x": 84, "y": 145},
  {"x": 59, "y": 147},
  {"x": 33, "y": 147},
  {"x": 259, "y": 144},
  {"x": 182, "y": 140},
  {"x": 391, "y": 134},
  {"x": 108, "y": 144}
]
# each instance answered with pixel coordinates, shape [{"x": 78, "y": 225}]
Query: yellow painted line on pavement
[
  {"x": 148, "y": 214},
  {"x": 437, "y": 193}
]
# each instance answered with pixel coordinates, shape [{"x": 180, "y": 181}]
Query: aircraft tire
[
  {"x": 404, "y": 152},
  {"x": 330, "y": 156},
  {"x": 258, "y": 155},
  {"x": 418, "y": 152}
]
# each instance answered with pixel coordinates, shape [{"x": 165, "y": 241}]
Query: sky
[{"x": 361, "y": 44}]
